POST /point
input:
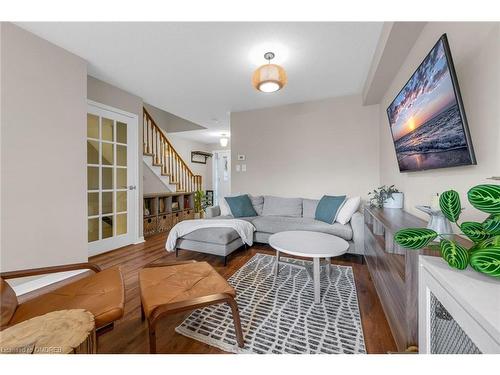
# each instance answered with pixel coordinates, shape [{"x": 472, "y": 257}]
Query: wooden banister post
[
  {"x": 169, "y": 161},
  {"x": 158, "y": 137},
  {"x": 148, "y": 125},
  {"x": 153, "y": 137},
  {"x": 144, "y": 134}
]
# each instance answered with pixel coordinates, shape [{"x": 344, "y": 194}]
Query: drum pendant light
[{"x": 269, "y": 77}]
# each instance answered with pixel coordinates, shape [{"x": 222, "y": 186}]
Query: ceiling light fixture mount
[
  {"x": 269, "y": 77},
  {"x": 269, "y": 56}
]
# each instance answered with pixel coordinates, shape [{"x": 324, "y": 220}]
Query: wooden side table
[{"x": 58, "y": 332}]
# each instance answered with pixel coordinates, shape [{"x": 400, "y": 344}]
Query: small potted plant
[
  {"x": 200, "y": 203},
  {"x": 387, "y": 197},
  {"x": 483, "y": 255}
]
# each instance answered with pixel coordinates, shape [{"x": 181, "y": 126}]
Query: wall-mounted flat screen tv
[{"x": 427, "y": 117}]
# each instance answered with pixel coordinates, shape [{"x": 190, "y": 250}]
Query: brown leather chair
[{"x": 103, "y": 294}]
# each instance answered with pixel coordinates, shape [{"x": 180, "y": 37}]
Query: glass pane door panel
[
  {"x": 92, "y": 126},
  {"x": 93, "y": 232},
  {"x": 107, "y": 129},
  {"x": 107, "y": 154},
  {"x": 121, "y": 155},
  {"x": 121, "y": 132},
  {"x": 107, "y": 203},
  {"x": 121, "y": 178},
  {"x": 93, "y": 204},
  {"x": 107, "y": 178},
  {"x": 107, "y": 226},
  {"x": 121, "y": 224},
  {"x": 92, "y": 152},
  {"x": 121, "y": 201},
  {"x": 92, "y": 178}
]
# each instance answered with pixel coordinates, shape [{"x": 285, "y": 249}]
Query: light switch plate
[
  {"x": 237, "y": 168},
  {"x": 243, "y": 167},
  {"x": 241, "y": 157}
]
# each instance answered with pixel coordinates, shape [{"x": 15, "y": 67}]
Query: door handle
[{"x": 132, "y": 187}]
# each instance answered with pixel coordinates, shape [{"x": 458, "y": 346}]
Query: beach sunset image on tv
[{"x": 426, "y": 118}]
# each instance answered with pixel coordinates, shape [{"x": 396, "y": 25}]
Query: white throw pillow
[
  {"x": 350, "y": 206},
  {"x": 224, "y": 207}
]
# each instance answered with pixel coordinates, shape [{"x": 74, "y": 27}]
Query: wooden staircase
[{"x": 159, "y": 148}]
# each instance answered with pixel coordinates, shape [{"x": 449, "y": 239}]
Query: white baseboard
[
  {"x": 139, "y": 240},
  {"x": 21, "y": 288}
]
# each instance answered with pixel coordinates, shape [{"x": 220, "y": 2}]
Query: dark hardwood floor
[{"x": 130, "y": 333}]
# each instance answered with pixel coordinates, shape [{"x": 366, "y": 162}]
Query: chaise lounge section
[{"x": 214, "y": 241}]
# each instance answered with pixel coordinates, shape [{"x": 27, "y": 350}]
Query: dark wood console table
[{"x": 394, "y": 270}]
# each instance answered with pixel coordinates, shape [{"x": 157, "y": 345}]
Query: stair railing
[{"x": 165, "y": 156}]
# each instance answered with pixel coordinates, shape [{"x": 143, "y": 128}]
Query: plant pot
[
  {"x": 396, "y": 201},
  {"x": 197, "y": 215}
]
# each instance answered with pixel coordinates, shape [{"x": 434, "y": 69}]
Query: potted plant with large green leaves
[{"x": 484, "y": 255}]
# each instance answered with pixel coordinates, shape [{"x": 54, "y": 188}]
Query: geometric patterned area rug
[{"x": 278, "y": 314}]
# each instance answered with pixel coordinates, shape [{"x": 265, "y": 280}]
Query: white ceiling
[{"x": 202, "y": 71}]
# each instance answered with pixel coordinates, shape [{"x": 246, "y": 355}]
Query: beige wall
[
  {"x": 307, "y": 149},
  {"x": 475, "y": 49},
  {"x": 43, "y": 158},
  {"x": 113, "y": 96},
  {"x": 184, "y": 148},
  {"x": 394, "y": 44},
  {"x": 170, "y": 122},
  {"x": 151, "y": 183}
]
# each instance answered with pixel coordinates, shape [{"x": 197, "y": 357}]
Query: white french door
[{"x": 112, "y": 178}]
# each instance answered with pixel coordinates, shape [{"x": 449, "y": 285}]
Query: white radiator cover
[{"x": 459, "y": 311}]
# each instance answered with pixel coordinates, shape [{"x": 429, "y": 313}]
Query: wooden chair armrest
[
  {"x": 192, "y": 304},
  {"x": 53, "y": 269},
  {"x": 170, "y": 263}
]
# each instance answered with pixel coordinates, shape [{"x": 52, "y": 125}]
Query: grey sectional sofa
[{"x": 275, "y": 214}]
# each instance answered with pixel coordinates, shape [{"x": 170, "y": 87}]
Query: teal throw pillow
[
  {"x": 328, "y": 208},
  {"x": 241, "y": 206}
]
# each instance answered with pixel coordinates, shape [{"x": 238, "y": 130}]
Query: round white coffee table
[{"x": 308, "y": 244}]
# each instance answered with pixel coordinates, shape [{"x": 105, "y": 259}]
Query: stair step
[
  {"x": 165, "y": 174},
  {"x": 147, "y": 154},
  {"x": 157, "y": 165}
]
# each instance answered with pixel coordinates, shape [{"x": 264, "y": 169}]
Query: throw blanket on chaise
[{"x": 242, "y": 227}]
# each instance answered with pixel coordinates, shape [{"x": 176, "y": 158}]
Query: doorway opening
[{"x": 221, "y": 174}]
